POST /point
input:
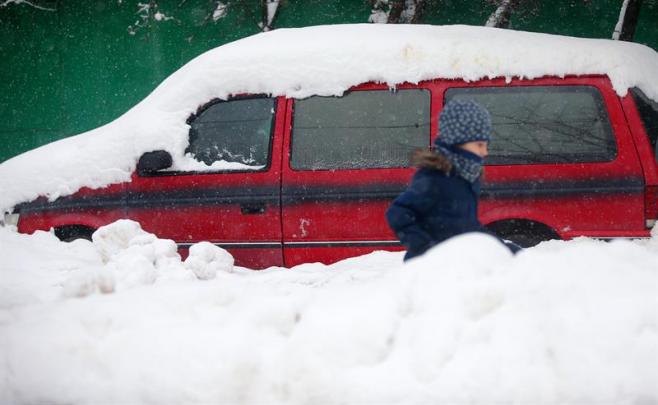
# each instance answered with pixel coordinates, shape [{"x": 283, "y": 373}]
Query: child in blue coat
[{"x": 442, "y": 200}]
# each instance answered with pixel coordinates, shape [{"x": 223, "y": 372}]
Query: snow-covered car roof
[{"x": 300, "y": 62}]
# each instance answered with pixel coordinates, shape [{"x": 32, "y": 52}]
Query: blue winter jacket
[{"x": 435, "y": 207}]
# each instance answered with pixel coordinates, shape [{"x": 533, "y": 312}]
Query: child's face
[{"x": 480, "y": 148}]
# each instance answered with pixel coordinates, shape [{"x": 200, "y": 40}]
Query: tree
[
  {"x": 263, "y": 11},
  {"x": 269, "y": 7},
  {"x": 397, "y": 11},
  {"x": 501, "y": 17},
  {"x": 628, "y": 16}
]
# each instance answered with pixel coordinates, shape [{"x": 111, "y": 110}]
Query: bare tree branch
[
  {"x": 5, "y": 3},
  {"x": 147, "y": 13},
  {"x": 220, "y": 11}
]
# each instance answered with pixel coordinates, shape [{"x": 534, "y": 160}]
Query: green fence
[{"x": 70, "y": 66}]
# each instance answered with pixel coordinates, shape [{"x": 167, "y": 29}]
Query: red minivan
[{"x": 309, "y": 179}]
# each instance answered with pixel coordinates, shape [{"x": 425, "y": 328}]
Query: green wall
[{"x": 82, "y": 65}]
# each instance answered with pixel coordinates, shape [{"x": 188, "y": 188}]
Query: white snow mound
[
  {"x": 206, "y": 259},
  {"x": 121, "y": 256},
  {"x": 299, "y": 62},
  {"x": 561, "y": 323}
]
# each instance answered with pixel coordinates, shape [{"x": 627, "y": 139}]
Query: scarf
[{"x": 468, "y": 165}]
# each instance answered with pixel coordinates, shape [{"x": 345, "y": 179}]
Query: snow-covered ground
[{"x": 123, "y": 320}]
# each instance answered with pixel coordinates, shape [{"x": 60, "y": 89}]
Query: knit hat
[
  {"x": 464, "y": 121},
  {"x": 461, "y": 122}
]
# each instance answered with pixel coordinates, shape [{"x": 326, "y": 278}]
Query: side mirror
[{"x": 151, "y": 162}]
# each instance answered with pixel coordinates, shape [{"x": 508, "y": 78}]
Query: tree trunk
[
  {"x": 417, "y": 16},
  {"x": 628, "y": 16},
  {"x": 395, "y": 11},
  {"x": 405, "y": 11},
  {"x": 501, "y": 17},
  {"x": 269, "y": 7}
]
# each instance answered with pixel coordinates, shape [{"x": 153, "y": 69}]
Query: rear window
[
  {"x": 362, "y": 129},
  {"x": 544, "y": 124},
  {"x": 235, "y": 133},
  {"x": 648, "y": 110}
]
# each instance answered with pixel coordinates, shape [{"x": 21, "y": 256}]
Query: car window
[
  {"x": 544, "y": 124},
  {"x": 361, "y": 129},
  {"x": 648, "y": 110},
  {"x": 234, "y": 134}
]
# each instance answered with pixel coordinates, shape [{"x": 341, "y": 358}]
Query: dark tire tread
[
  {"x": 523, "y": 232},
  {"x": 70, "y": 233}
]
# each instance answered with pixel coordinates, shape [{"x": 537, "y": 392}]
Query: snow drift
[
  {"x": 323, "y": 60},
  {"x": 564, "y": 322}
]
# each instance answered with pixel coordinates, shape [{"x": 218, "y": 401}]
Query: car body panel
[{"x": 283, "y": 217}]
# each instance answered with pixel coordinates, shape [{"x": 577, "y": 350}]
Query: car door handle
[{"x": 251, "y": 209}]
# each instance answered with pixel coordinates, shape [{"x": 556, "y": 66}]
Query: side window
[
  {"x": 648, "y": 110},
  {"x": 362, "y": 129},
  {"x": 234, "y": 134},
  {"x": 544, "y": 124}
]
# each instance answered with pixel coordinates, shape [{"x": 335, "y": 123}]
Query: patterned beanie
[{"x": 464, "y": 121}]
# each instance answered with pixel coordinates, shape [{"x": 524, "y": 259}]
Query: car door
[
  {"x": 228, "y": 190},
  {"x": 347, "y": 159}
]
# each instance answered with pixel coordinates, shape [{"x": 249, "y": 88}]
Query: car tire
[
  {"x": 73, "y": 232},
  {"x": 524, "y": 233}
]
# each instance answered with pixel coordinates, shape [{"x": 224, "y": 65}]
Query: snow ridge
[{"x": 561, "y": 323}]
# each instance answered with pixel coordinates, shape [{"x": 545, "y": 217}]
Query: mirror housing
[{"x": 152, "y": 162}]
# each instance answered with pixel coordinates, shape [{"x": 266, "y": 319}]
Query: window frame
[
  {"x": 601, "y": 106},
  {"x": 639, "y": 96},
  {"x": 366, "y": 87},
  {"x": 205, "y": 107}
]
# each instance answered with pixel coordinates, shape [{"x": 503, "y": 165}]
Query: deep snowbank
[
  {"x": 323, "y": 60},
  {"x": 564, "y": 322}
]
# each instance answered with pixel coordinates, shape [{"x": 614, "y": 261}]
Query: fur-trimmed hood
[{"x": 430, "y": 159}]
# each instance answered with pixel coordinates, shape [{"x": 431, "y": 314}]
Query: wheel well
[
  {"x": 68, "y": 233},
  {"x": 523, "y": 231}
]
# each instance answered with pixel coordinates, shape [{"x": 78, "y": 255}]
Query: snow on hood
[{"x": 300, "y": 62}]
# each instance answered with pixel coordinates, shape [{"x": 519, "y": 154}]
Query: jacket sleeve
[{"x": 407, "y": 210}]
